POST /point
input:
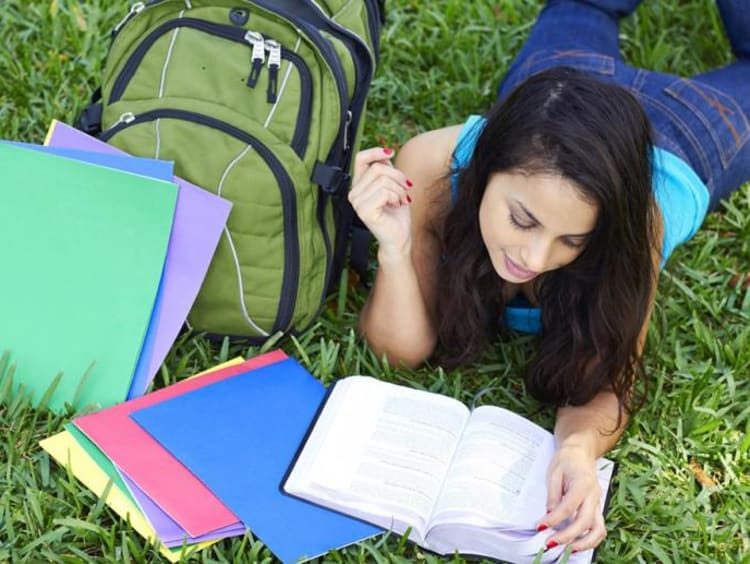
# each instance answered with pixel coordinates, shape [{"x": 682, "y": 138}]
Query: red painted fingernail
[
  {"x": 573, "y": 551},
  {"x": 387, "y": 150},
  {"x": 408, "y": 198},
  {"x": 552, "y": 544},
  {"x": 542, "y": 527},
  {"x": 408, "y": 183}
]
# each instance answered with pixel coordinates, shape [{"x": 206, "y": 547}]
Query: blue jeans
[{"x": 704, "y": 119}]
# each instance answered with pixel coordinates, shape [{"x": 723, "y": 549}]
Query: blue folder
[
  {"x": 239, "y": 437},
  {"x": 161, "y": 170}
]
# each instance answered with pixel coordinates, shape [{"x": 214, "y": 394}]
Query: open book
[{"x": 465, "y": 481}]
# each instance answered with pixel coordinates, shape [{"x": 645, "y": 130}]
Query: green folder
[
  {"x": 101, "y": 460},
  {"x": 82, "y": 249}
]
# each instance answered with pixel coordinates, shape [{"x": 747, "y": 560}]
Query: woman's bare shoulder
[
  {"x": 430, "y": 152},
  {"x": 426, "y": 159}
]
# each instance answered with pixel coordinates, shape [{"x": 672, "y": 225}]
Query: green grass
[{"x": 683, "y": 488}]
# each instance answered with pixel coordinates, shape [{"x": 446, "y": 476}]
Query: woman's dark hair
[{"x": 595, "y": 135}]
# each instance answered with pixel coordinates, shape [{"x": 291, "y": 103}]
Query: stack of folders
[
  {"x": 261, "y": 446},
  {"x": 204, "y": 459},
  {"x": 103, "y": 255}
]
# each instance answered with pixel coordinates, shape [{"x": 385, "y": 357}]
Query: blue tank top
[{"x": 681, "y": 195}]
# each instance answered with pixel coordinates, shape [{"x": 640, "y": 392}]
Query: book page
[
  {"x": 513, "y": 544},
  {"x": 384, "y": 448},
  {"x": 498, "y": 476}
]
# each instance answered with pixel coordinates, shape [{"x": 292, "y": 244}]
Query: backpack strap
[
  {"x": 359, "y": 252},
  {"x": 332, "y": 179},
  {"x": 90, "y": 119}
]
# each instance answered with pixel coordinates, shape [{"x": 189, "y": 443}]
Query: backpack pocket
[
  {"x": 254, "y": 284},
  {"x": 252, "y": 73}
]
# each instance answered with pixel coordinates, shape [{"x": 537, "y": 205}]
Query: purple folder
[{"x": 167, "y": 529}]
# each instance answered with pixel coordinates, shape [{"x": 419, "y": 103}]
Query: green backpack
[{"x": 262, "y": 103}]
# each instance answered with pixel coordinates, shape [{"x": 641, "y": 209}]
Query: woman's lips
[{"x": 518, "y": 271}]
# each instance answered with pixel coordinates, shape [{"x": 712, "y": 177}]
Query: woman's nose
[{"x": 537, "y": 254}]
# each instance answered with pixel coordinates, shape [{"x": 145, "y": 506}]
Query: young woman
[{"x": 553, "y": 214}]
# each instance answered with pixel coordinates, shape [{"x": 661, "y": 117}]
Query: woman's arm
[
  {"x": 398, "y": 319},
  {"x": 583, "y": 434}
]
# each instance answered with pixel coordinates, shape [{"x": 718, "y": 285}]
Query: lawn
[{"x": 683, "y": 488}]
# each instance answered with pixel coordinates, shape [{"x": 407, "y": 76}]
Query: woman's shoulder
[
  {"x": 431, "y": 151},
  {"x": 426, "y": 160}
]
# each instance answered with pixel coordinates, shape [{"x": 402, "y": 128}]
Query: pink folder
[{"x": 164, "y": 479}]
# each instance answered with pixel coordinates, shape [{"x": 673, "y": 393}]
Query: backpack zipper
[
  {"x": 301, "y": 131},
  {"x": 303, "y": 13},
  {"x": 290, "y": 280},
  {"x": 274, "y": 62},
  {"x": 257, "y": 57},
  {"x": 135, "y": 9},
  {"x": 301, "y": 128}
]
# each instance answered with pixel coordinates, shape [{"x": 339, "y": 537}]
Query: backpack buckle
[
  {"x": 331, "y": 179},
  {"x": 90, "y": 119}
]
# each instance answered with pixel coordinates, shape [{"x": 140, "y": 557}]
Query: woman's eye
[
  {"x": 518, "y": 224},
  {"x": 574, "y": 244}
]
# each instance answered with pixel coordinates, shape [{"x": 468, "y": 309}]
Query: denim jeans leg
[
  {"x": 706, "y": 123},
  {"x": 733, "y": 107},
  {"x": 569, "y": 26},
  {"x": 732, "y": 83},
  {"x": 618, "y": 8},
  {"x": 736, "y": 17}
]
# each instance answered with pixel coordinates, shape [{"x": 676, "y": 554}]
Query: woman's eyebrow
[
  {"x": 582, "y": 236},
  {"x": 535, "y": 220}
]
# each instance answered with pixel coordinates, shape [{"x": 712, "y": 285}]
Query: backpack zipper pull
[
  {"x": 274, "y": 62},
  {"x": 347, "y": 127},
  {"x": 259, "y": 54},
  {"x": 134, "y": 9},
  {"x": 125, "y": 118}
]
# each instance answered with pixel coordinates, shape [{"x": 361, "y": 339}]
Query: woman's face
[{"x": 533, "y": 223}]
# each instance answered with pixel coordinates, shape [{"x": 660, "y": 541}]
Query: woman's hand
[
  {"x": 379, "y": 196},
  {"x": 574, "y": 494}
]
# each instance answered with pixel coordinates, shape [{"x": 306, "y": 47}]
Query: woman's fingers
[
  {"x": 380, "y": 169},
  {"x": 367, "y": 157},
  {"x": 592, "y": 538},
  {"x": 378, "y": 195},
  {"x": 580, "y": 509},
  {"x": 373, "y": 196},
  {"x": 380, "y": 177},
  {"x": 554, "y": 488}
]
